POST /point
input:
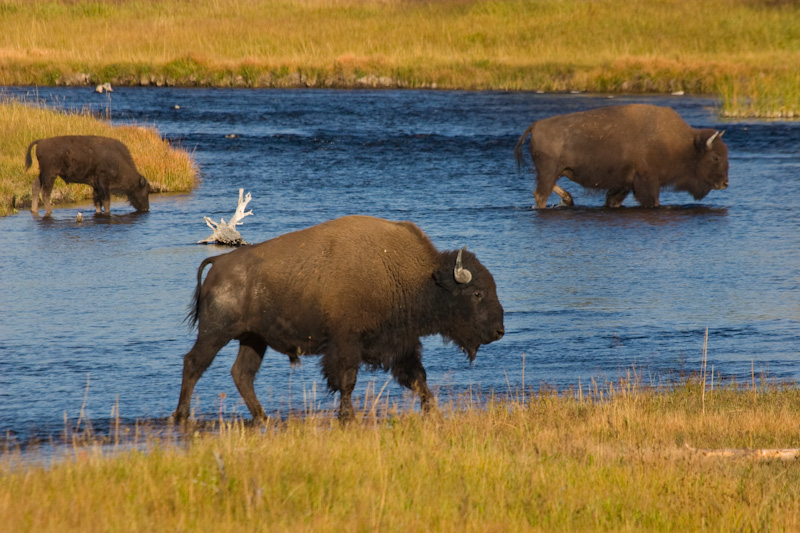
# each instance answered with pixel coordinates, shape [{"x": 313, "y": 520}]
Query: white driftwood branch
[
  {"x": 225, "y": 232},
  {"x": 784, "y": 454}
]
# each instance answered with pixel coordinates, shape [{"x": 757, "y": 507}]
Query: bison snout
[{"x": 499, "y": 333}]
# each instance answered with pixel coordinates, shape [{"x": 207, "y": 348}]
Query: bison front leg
[
  {"x": 340, "y": 368},
  {"x": 646, "y": 191},
  {"x": 97, "y": 197},
  {"x": 409, "y": 372},
  {"x": 617, "y": 195},
  {"x": 346, "y": 411},
  {"x": 102, "y": 199},
  {"x": 251, "y": 354}
]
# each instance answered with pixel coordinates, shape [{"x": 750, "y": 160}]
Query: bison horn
[
  {"x": 710, "y": 140},
  {"x": 461, "y": 274}
]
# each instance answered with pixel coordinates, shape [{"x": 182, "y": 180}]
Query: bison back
[
  {"x": 355, "y": 271},
  {"x": 74, "y": 156},
  {"x": 600, "y": 146}
]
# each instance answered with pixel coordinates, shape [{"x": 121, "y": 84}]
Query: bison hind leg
[
  {"x": 251, "y": 354},
  {"x": 35, "y": 187},
  {"x": 547, "y": 174},
  {"x": 43, "y": 183},
  {"x": 195, "y": 362}
]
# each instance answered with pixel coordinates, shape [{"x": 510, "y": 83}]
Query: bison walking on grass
[
  {"x": 358, "y": 290},
  {"x": 639, "y": 148},
  {"x": 102, "y": 162}
]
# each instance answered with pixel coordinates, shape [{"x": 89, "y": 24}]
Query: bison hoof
[
  {"x": 346, "y": 416},
  {"x": 179, "y": 416}
]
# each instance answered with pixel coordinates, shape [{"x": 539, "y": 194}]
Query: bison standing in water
[
  {"x": 102, "y": 162},
  {"x": 358, "y": 290},
  {"x": 639, "y": 148}
]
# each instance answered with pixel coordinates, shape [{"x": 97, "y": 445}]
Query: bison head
[
  {"x": 712, "y": 164},
  {"x": 138, "y": 196},
  {"x": 471, "y": 314}
]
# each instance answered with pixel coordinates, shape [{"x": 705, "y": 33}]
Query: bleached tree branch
[{"x": 225, "y": 232}]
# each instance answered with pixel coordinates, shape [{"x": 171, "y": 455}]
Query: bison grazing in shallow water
[
  {"x": 102, "y": 162},
  {"x": 639, "y": 148},
  {"x": 358, "y": 290}
]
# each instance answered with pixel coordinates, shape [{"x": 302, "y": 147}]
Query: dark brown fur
[
  {"x": 102, "y": 162},
  {"x": 619, "y": 149},
  {"x": 358, "y": 290}
]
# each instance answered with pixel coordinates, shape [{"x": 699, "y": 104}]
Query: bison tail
[
  {"x": 194, "y": 308},
  {"x": 518, "y": 147},
  {"x": 28, "y": 160}
]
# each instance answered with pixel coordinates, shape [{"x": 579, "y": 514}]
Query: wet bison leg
[
  {"x": 102, "y": 194},
  {"x": 97, "y": 196},
  {"x": 107, "y": 202},
  {"x": 409, "y": 372},
  {"x": 35, "y": 187},
  {"x": 251, "y": 354},
  {"x": 645, "y": 190},
  {"x": 547, "y": 174},
  {"x": 45, "y": 184},
  {"x": 340, "y": 368},
  {"x": 194, "y": 364},
  {"x": 617, "y": 195}
]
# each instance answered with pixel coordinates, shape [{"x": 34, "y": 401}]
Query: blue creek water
[{"x": 91, "y": 314}]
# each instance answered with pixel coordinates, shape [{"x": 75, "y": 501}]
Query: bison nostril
[{"x": 499, "y": 333}]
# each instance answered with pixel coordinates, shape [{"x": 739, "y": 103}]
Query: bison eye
[{"x": 478, "y": 295}]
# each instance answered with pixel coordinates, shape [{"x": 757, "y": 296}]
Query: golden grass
[
  {"x": 744, "y": 51},
  {"x": 612, "y": 460},
  {"x": 168, "y": 169}
]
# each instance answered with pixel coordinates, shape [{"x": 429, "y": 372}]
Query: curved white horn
[
  {"x": 710, "y": 140},
  {"x": 461, "y": 274}
]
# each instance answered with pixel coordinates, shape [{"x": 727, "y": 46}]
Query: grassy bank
[
  {"x": 168, "y": 169},
  {"x": 614, "y": 459},
  {"x": 744, "y": 51}
]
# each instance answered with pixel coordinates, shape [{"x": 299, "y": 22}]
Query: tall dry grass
[
  {"x": 168, "y": 169},
  {"x": 611, "y": 458},
  {"x": 744, "y": 51}
]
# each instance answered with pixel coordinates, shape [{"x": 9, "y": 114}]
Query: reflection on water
[
  {"x": 635, "y": 216},
  {"x": 89, "y": 218},
  {"x": 589, "y": 292}
]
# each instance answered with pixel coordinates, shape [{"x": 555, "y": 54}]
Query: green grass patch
[
  {"x": 742, "y": 51},
  {"x": 613, "y": 459},
  {"x": 168, "y": 169}
]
